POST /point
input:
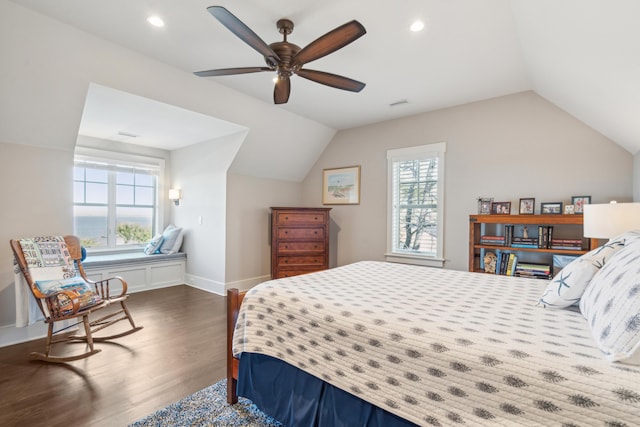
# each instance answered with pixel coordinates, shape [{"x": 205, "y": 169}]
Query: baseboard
[
  {"x": 205, "y": 284},
  {"x": 246, "y": 284}
]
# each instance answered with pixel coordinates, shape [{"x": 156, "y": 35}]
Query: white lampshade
[{"x": 604, "y": 221}]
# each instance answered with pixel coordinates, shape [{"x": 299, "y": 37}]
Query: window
[
  {"x": 115, "y": 205},
  {"x": 415, "y": 205}
]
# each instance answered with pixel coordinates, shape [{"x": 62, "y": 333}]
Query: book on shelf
[
  {"x": 545, "y": 236},
  {"x": 528, "y": 269},
  {"x": 508, "y": 231},
  {"x": 493, "y": 240},
  {"x": 525, "y": 240},
  {"x": 506, "y": 263},
  {"x": 567, "y": 244},
  {"x": 511, "y": 264}
]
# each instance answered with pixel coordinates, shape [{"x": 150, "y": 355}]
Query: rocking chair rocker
[{"x": 49, "y": 265}]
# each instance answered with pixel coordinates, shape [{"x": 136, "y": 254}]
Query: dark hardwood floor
[{"x": 180, "y": 350}]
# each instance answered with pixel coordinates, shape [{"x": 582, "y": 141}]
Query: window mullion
[{"x": 112, "y": 239}]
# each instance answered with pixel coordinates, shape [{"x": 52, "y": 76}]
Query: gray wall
[
  {"x": 506, "y": 148},
  {"x": 248, "y": 215},
  {"x": 38, "y": 200}
]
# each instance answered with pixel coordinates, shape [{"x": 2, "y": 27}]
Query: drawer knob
[
  {"x": 315, "y": 232},
  {"x": 286, "y": 217},
  {"x": 316, "y": 217},
  {"x": 286, "y": 261}
]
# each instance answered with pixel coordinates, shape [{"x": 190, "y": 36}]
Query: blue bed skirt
[{"x": 298, "y": 399}]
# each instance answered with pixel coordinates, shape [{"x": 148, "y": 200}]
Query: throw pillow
[
  {"x": 172, "y": 240},
  {"x": 153, "y": 246},
  {"x": 68, "y": 295},
  {"x": 569, "y": 284},
  {"x": 611, "y": 304}
]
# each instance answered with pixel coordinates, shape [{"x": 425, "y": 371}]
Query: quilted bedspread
[{"x": 441, "y": 347}]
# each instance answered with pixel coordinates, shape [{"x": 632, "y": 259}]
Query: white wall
[
  {"x": 47, "y": 68},
  {"x": 200, "y": 171},
  {"x": 506, "y": 148},
  {"x": 37, "y": 198},
  {"x": 248, "y": 223}
]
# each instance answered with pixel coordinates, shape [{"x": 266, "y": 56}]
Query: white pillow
[
  {"x": 172, "y": 236},
  {"x": 611, "y": 304},
  {"x": 153, "y": 246},
  {"x": 569, "y": 284}
]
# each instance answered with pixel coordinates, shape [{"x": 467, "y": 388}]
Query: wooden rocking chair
[{"x": 76, "y": 298}]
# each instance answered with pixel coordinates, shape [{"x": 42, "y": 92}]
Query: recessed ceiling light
[
  {"x": 156, "y": 21},
  {"x": 417, "y": 26}
]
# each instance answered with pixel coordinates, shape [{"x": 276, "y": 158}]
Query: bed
[{"x": 405, "y": 345}]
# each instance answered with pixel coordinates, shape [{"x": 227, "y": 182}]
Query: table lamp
[{"x": 605, "y": 221}]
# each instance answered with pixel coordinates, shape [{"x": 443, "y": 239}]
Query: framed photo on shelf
[
  {"x": 551, "y": 208},
  {"x": 501, "y": 208},
  {"x": 341, "y": 186},
  {"x": 527, "y": 206},
  {"x": 578, "y": 203},
  {"x": 569, "y": 209},
  {"x": 484, "y": 205}
]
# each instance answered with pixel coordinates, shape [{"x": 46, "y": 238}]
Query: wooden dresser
[{"x": 299, "y": 241}]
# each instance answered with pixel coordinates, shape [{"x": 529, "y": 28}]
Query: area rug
[{"x": 209, "y": 407}]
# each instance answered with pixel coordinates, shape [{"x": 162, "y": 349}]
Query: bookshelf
[{"x": 504, "y": 228}]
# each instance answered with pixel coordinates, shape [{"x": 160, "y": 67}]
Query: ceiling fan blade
[
  {"x": 282, "y": 90},
  {"x": 231, "y": 71},
  {"x": 245, "y": 33},
  {"x": 333, "y": 80},
  {"x": 330, "y": 42}
]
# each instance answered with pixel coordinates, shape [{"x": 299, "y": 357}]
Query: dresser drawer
[
  {"x": 300, "y": 218},
  {"x": 311, "y": 233},
  {"x": 301, "y": 260},
  {"x": 295, "y": 272},
  {"x": 297, "y": 247}
]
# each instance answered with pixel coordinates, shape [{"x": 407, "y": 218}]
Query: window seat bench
[{"x": 142, "y": 272}]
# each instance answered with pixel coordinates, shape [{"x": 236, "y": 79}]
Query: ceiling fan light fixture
[{"x": 156, "y": 21}]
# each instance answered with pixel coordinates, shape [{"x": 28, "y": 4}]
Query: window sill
[{"x": 414, "y": 260}]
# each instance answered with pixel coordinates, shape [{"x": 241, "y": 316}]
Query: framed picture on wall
[{"x": 341, "y": 186}]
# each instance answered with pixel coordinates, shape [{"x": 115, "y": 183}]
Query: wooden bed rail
[{"x": 234, "y": 300}]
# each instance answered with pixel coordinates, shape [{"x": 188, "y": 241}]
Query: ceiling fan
[{"x": 287, "y": 58}]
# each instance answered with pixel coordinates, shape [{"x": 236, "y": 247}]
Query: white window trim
[
  {"x": 412, "y": 153},
  {"x": 132, "y": 160}
]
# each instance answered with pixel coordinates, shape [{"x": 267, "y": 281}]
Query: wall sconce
[
  {"x": 174, "y": 194},
  {"x": 606, "y": 221}
]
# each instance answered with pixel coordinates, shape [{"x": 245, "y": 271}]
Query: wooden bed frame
[{"x": 234, "y": 299}]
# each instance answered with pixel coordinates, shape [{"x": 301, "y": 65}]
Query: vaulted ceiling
[{"x": 582, "y": 55}]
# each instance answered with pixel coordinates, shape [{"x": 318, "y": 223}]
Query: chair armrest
[
  {"x": 62, "y": 303},
  {"x": 103, "y": 287}
]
